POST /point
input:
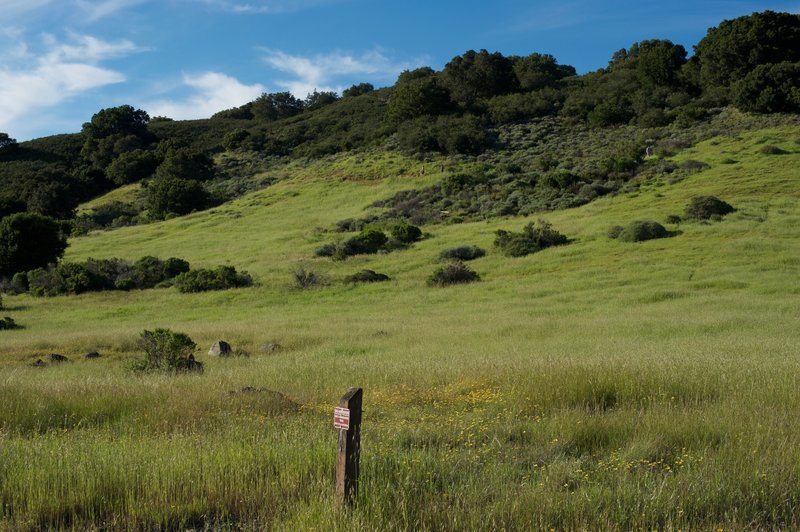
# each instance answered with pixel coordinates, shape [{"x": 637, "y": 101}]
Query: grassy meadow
[{"x": 598, "y": 385}]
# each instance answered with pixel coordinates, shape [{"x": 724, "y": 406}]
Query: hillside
[{"x": 600, "y": 384}]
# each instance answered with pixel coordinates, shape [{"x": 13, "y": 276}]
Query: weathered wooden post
[{"x": 347, "y": 418}]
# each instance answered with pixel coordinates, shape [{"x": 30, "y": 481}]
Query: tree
[
  {"x": 537, "y": 71},
  {"x": 770, "y": 89},
  {"x": 734, "y": 49},
  {"x": 315, "y": 100},
  {"x": 184, "y": 163},
  {"x": 114, "y": 131},
  {"x": 476, "y": 75},
  {"x": 7, "y": 144},
  {"x": 358, "y": 90},
  {"x": 132, "y": 166},
  {"x": 276, "y": 106},
  {"x": 29, "y": 241},
  {"x": 414, "y": 96},
  {"x": 166, "y": 196}
]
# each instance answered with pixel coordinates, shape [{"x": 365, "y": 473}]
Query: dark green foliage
[
  {"x": 111, "y": 214},
  {"x": 7, "y": 323},
  {"x": 358, "y": 90},
  {"x": 533, "y": 238},
  {"x": 453, "y": 273},
  {"x": 184, "y": 163},
  {"x": 736, "y": 47},
  {"x": 366, "y": 276},
  {"x": 369, "y": 241},
  {"x": 221, "y": 278},
  {"x": 477, "y": 75},
  {"x": 773, "y": 88},
  {"x": 276, "y": 106},
  {"x": 316, "y": 100},
  {"x": 29, "y": 241},
  {"x": 462, "y": 253},
  {"x": 132, "y": 166},
  {"x": 165, "y": 196},
  {"x": 537, "y": 71},
  {"x": 446, "y": 134},
  {"x": 112, "y": 132},
  {"x": 235, "y": 139},
  {"x": 325, "y": 250},
  {"x": 639, "y": 231},
  {"x": 99, "y": 274},
  {"x": 707, "y": 207},
  {"x": 769, "y": 149},
  {"x": 167, "y": 351},
  {"x": 522, "y": 106},
  {"x": 405, "y": 232},
  {"x": 7, "y": 144},
  {"x": 415, "y": 95},
  {"x": 673, "y": 219}
]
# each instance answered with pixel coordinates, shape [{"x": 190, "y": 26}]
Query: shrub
[
  {"x": 533, "y": 238},
  {"x": 304, "y": 279},
  {"x": 673, "y": 219},
  {"x": 639, "y": 231},
  {"x": 369, "y": 241},
  {"x": 462, "y": 253},
  {"x": 615, "y": 230},
  {"x": 769, "y": 149},
  {"x": 405, "y": 232},
  {"x": 8, "y": 324},
  {"x": 706, "y": 207},
  {"x": 366, "y": 276},
  {"x": 29, "y": 241},
  {"x": 453, "y": 273},
  {"x": 325, "y": 250},
  {"x": 202, "y": 279},
  {"x": 167, "y": 351}
]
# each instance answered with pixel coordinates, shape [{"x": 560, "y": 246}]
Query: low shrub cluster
[
  {"x": 638, "y": 231},
  {"x": 706, "y": 208},
  {"x": 305, "y": 279},
  {"x": 366, "y": 276},
  {"x": 205, "y": 279},
  {"x": 167, "y": 351},
  {"x": 371, "y": 240},
  {"x": 462, "y": 253},
  {"x": 533, "y": 238},
  {"x": 453, "y": 273},
  {"x": 97, "y": 275}
]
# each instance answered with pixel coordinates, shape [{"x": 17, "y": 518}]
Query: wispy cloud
[
  {"x": 265, "y": 6},
  {"x": 32, "y": 81},
  {"x": 95, "y": 10},
  {"x": 210, "y": 92},
  {"x": 10, "y": 9},
  {"x": 325, "y": 72}
]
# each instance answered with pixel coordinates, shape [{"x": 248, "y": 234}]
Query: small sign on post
[{"x": 347, "y": 418}]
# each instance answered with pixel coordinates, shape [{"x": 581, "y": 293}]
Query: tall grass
[{"x": 599, "y": 385}]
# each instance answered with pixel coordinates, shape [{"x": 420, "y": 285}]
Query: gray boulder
[{"x": 220, "y": 348}]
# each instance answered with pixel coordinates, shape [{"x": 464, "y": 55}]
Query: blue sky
[{"x": 63, "y": 60}]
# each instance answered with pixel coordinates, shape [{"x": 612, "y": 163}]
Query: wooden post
[{"x": 347, "y": 418}]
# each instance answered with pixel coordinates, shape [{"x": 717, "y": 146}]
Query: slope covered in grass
[{"x": 600, "y": 385}]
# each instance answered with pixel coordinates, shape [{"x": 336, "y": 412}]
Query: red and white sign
[{"x": 341, "y": 418}]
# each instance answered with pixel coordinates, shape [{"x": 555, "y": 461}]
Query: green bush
[
  {"x": 405, "y": 232},
  {"x": 639, "y": 231},
  {"x": 202, "y": 280},
  {"x": 325, "y": 250},
  {"x": 707, "y": 207},
  {"x": 453, "y": 273},
  {"x": 366, "y": 276},
  {"x": 533, "y": 238},
  {"x": 461, "y": 253},
  {"x": 167, "y": 351},
  {"x": 769, "y": 149}
]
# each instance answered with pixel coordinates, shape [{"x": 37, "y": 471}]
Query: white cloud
[
  {"x": 212, "y": 92},
  {"x": 33, "y": 81},
  {"x": 264, "y": 6},
  {"x": 14, "y": 8},
  {"x": 95, "y": 10},
  {"x": 324, "y": 72}
]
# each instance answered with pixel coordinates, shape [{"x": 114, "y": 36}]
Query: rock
[
  {"x": 270, "y": 347},
  {"x": 93, "y": 354},
  {"x": 220, "y": 348},
  {"x": 55, "y": 357}
]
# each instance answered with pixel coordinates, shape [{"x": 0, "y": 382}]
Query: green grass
[{"x": 599, "y": 385}]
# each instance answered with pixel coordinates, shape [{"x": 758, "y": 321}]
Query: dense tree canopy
[
  {"x": 29, "y": 241},
  {"x": 418, "y": 93},
  {"x": 731, "y": 51},
  {"x": 537, "y": 71},
  {"x": 476, "y": 75}
]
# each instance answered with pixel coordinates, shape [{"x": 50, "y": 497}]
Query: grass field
[{"x": 599, "y": 385}]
